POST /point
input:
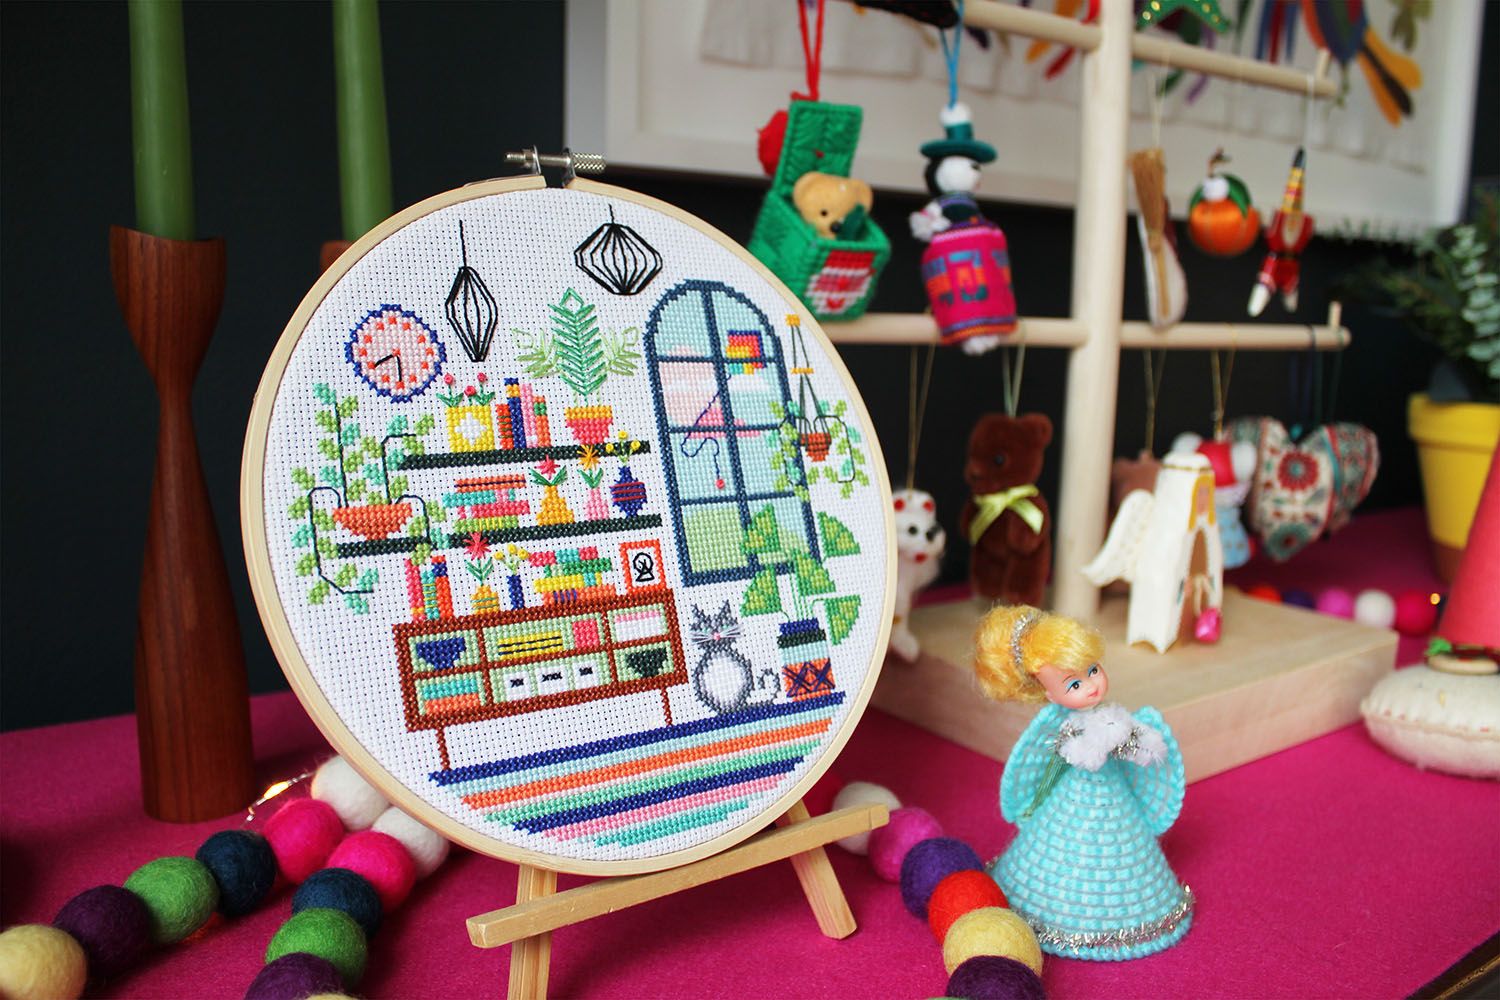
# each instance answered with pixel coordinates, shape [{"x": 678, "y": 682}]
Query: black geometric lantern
[
  {"x": 618, "y": 258},
  {"x": 471, "y": 308}
]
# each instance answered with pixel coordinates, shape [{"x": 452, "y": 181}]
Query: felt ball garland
[
  {"x": 1412, "y": 612},
  {"x": 354, "y": 863},
  {"x": 989, "y": 952}
]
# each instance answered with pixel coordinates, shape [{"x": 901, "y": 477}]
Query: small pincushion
[
  {"x": 383, "y": 862},
  {"x": 890, "y": 844},
  {"x": 992, "y": 930},
  {"x": 179, "y": 893},
  {"x": 243, "y": 865},
  {"x": 327, "y": 934},
  {"x": 357, "y": 802},
  {"x": 112, "y": 925},
  {"x": 927, "y": 864},
  {"x": 38, "y": 962},
  {"x": 342, "y": 890},
  {"x": 295, "y": 974},
  {"x": 960, "y": 893},
  {"x": 302, "y": 834},
  {"x": 991, "y": 977}
]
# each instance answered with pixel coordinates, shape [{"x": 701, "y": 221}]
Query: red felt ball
[
  {"x": 1264, "y": 592},
  {"x": 956, "y": 895},
  {"x": 1416, "y": 613},
  {"x": 302, "y": 834},
  {"x": 383, "y": 862}
]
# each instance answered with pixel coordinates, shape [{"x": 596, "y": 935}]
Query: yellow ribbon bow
[{"x": 992, "y": 505}]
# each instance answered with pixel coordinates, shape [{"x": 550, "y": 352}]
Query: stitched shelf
[
  {"x": 500, "y": 536},
  {"x": 506, "y": 456}
]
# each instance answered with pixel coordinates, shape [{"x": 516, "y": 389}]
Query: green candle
[
  {"x": 159, "y": 106},
  {"x": 364, "y": 147}
]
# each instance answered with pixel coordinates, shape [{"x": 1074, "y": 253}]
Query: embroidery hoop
[{"x": 285, "y": 643}]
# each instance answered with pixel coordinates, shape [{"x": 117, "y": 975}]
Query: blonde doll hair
[{"x": 1015, "y": 642}]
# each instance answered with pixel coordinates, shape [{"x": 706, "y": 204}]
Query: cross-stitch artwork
[{"x": 596, "y": 569}]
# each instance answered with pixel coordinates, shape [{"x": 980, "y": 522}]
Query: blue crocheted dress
[{"x": 1085, "y": 870}]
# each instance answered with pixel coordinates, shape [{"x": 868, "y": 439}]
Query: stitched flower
[
  {"x": 547, "y": 466},
  {"x": 1297, "y": 470},
  {"x": 590, "y": 457},
  {"x": 477, "y": 548}
]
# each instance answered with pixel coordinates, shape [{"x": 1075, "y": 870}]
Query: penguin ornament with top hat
[
  {"x": 966, "y": 267},
  {"x": 1286, "y": 236}
]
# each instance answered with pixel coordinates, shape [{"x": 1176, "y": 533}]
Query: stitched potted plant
[
  {"x": 596, "y": 508},
  {"x": 806, "y": 668},
  {"x": 628, "y": 492},
  {"x": 469, "y": 424},
  {"x": 363, "y": 509},
  {"x": 554, "y": 509},
  {"x": 583, "y": 357},
  {"x": 1449, "y": 295}
]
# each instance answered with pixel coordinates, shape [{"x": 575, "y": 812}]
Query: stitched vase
[
  {"x": 469, "y": 428},
  {"x": 554, "y": 509},
  {"x": 517, "y": 595},
  {"x": 806, "y": 670},
  {"x": 628, "y": 492},
  {"x": 596, "y": 508},
  {"x": 485, "y": 599},
  {"x": 589, "y": 424},
  {"x": 966, "y": 270},
  {"x": 375, "y": 521}
]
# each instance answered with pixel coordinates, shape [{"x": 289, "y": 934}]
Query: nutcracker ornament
[
  {"x": 1288, "y": 233},
  {"x": 1221, "y": 220}
]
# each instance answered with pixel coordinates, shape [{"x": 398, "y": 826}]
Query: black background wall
[{"x": 465, "y": 82}]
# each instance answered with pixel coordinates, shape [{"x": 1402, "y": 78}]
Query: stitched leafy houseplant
[
  {"x": 803, "y": 643},
  {"x": 583, "y": 357}
]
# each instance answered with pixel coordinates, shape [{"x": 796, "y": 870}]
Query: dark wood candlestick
[
  {"x": 191, "y": 697},
  {"x": 330, "y": 252}
]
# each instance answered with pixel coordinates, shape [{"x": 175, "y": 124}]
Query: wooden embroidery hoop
[{"x": 538, "y": 910}]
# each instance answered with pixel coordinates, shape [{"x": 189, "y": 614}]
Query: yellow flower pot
[
  {"x": 1454, "y": 444},
  {"x": 469, "y": 428}
]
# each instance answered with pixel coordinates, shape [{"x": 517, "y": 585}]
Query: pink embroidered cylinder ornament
[{"x": 966, "y": 269}]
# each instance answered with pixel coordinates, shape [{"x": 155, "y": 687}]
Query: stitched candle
[
  {"x": 364, "y": 146},
  {"x": 159, "y": 120}
]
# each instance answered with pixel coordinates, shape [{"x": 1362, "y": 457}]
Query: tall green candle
[
  {"x": 159, "y": 108},
  {"x": 364, "y": 147}
]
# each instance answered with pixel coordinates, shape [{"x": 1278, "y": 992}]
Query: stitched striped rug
[{"x": 648, "y": 785}]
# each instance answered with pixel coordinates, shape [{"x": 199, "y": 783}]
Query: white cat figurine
[{"x": 920, "y": 542}]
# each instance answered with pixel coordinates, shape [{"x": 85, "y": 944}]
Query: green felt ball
[
  {"x": 180, "y": 894},
  {"x": 330, "y": 935}
]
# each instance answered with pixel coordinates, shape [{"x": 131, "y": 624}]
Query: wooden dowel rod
[
  {"x": 918, "y": 328},
  {"x": 531, "y": 958},
  {"x": 1031, "y": 24},
  {"x": 539, "y": 916},
  {"x": 819, "y": 884}
]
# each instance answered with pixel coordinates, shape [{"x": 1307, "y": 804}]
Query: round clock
[{"x": 611, "y": 596}]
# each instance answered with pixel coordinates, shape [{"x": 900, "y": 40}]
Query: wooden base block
[{"x": 1279, "y": 676}]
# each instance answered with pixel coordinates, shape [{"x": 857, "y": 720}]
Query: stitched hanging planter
[
  {"x": 815, "y": 444},
  {"x": 589, "y": 424},
  {"x": 374, "y": 521},
  {"x": 834, "y": 278}
]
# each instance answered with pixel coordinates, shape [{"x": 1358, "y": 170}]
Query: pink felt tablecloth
[{"x": 1330, "y": 869}]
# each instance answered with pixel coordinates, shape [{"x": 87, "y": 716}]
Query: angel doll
[{"x": 1090, "y": 788}]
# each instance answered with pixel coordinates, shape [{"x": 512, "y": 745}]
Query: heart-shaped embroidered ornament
[{"x": 1305, "y": 488}]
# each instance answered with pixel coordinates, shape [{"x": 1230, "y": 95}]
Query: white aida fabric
[{"x": 575, "y": 527}]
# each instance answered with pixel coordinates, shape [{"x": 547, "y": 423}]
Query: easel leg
[
  {"x": 530, "y": 957},
  {"x": 819, "y": 883}
]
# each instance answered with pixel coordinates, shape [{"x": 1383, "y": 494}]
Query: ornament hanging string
[
  {"x": 1221, "y": 381},
  {"x": 1012, "y": 384},
  {"x": 1153, "y": 371},
  {"x": 916, "y": 410},
  {"x": 951, "y": 54},
  {"x": 812, "y": 48}
]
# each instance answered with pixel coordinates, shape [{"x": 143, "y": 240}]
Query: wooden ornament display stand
[
  {"x": 191, "y": 695},
  {"x": 540, "y": 909}
]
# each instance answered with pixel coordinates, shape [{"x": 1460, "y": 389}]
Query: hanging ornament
[
  {"x": 470, "y": 307},
  {"x": 618, "y": 258},
  {"x": 1288, "y": 233},
  {"x": 1166, "y": 285},
  {"x": 1221, "y": 220},
  {"x": 1207, "y": 11}
]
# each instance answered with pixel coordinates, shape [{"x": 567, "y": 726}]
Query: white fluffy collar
[{"x": 1089, "y": 738}]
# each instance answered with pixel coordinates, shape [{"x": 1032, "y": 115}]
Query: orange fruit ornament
[{"x": 1221, "y": 220}]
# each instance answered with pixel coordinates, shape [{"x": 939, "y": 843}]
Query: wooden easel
[{"x": 540, "y": 909}]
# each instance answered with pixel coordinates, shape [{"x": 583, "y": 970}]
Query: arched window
[{"x": 721, "y": 395}]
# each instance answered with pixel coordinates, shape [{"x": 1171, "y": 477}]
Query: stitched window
[{"x": 721, "y": 395}]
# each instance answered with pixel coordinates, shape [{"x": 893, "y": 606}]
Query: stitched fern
[{"x": 580, "y": 347}]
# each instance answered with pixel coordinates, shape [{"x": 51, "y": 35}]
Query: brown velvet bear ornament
[{"x": 1006, "y": 519}]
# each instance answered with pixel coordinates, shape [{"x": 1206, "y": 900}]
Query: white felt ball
[
  {"x": 357, "y": 802},
  {"x": 1375, "y": 607},
  {"x": 1185, "y": 444},
  {"x": 860, "y": 793},
  {"x": 1242, "y": 457},
  {"x": 427, "y": 848}
]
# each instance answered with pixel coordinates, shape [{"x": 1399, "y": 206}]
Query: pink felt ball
[
  {"x": 302, "y": 834},
  {"x": 383, "y": 862},
  {"x": 1337, "y": 602},
  {"x": 888, "y": 844},
  {"x": 1416, "y": 612}
]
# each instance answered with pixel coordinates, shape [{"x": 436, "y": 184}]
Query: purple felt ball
[
  {"x": 1297, "y": 598},
  {"x": 1336, "y": 601},
  {"x": 991, "y": 977},
  {"x": 112, "y": 925},
  {"x": 889, "y": 844},
  {"x": 294, "y": 976},
  {"x": 927, "y": 864}
]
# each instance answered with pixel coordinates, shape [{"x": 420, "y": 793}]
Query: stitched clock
[{"x": 612, "y": 594}]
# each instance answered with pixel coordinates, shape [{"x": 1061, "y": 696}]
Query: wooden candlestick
[
  {"x": 191, "y": 697},
  {"x": 330, "y": 252}
]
